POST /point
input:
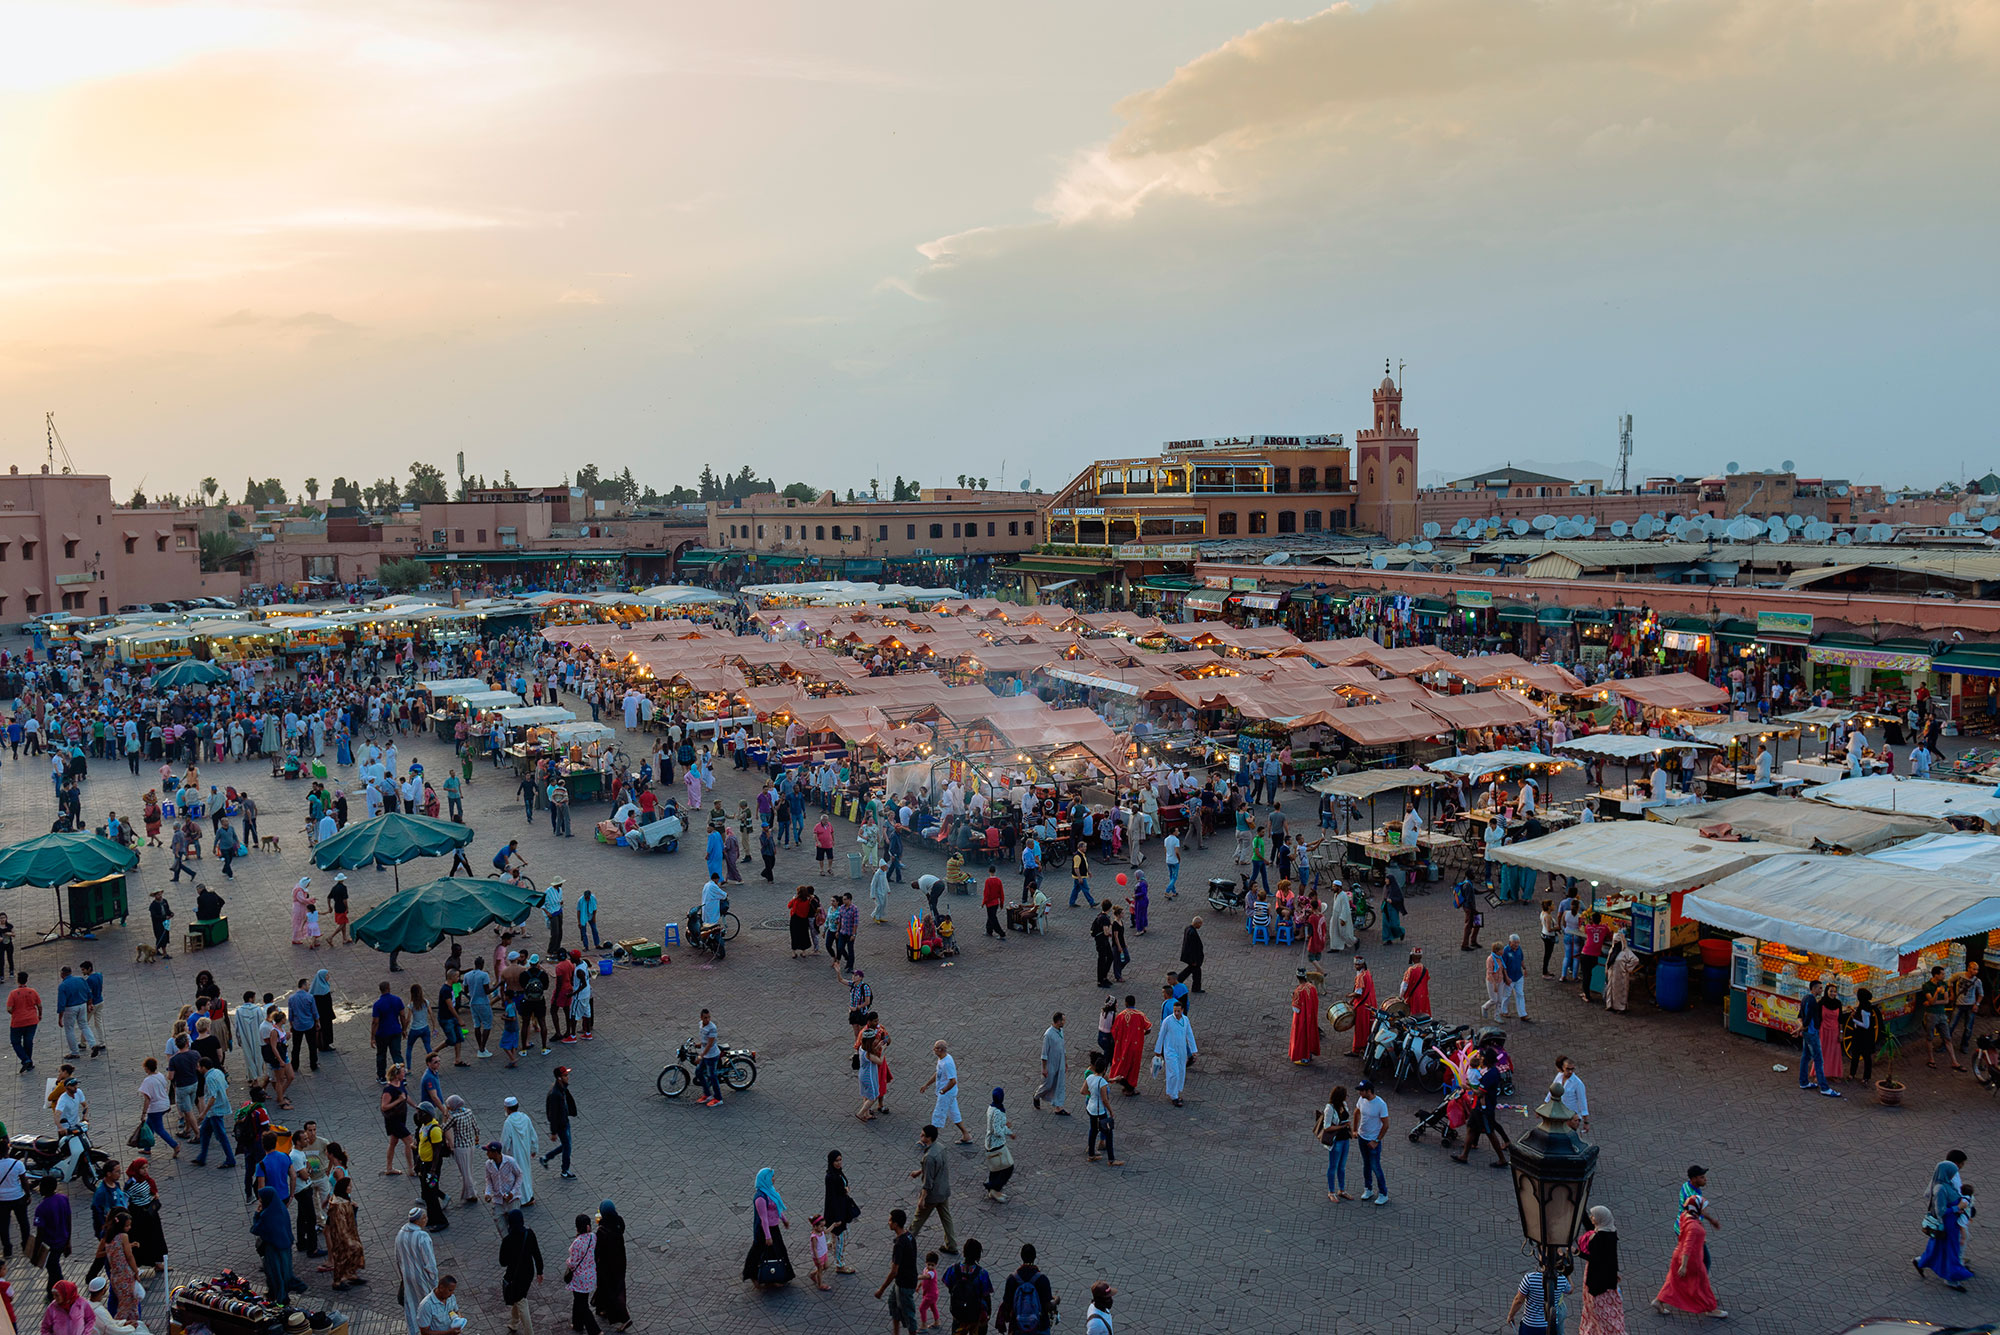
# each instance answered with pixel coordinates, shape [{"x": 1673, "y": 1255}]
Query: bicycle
[
  {"x": 520, "y": 878},
  {"x": 738, "y": 1070}
]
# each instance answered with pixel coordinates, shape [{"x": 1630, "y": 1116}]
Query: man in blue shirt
[
  {"x": 477, "y": 982},
  {"x": 711, "y": 912},
  {"x": 385, "y": 1026},
  {"x": 1513, "y": 964},
  {"x": 275, "y": 1170},
  {"x": 95, "y": 978},
  {"x": 73, "y": 1014}
]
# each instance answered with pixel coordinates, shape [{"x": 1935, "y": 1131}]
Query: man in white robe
[
  {"x": 1174, "y": 1045},
  {"x": 249, "y": 1029},
  {"x": 1340, "y": 919},
  {"x": 416, "y": 1263},
  {"x": 519, "y": 1142}
]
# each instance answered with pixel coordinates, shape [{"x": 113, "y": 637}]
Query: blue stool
[
  {"x": 1259, "y": 935},
  {"x": 1284, "y": 934},
  {"x": 671, "y": 934}
]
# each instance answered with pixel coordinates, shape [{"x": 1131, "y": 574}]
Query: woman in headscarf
[
  {"x": 520, "y": 1268},
  {"x": 301, "y": 901},
  {"x": 767, "y": 1239},
  {"x": 839, "y": 1210},
  {"x": 250, "y": 1037},
  {"x": 272, "y": 1227},
  {"x": 1603, "y": 1306},
  {"x": 343, "y": 1236},
  {"x": 322, "y": 995},
  {"x": 1861, "y": 1034},
  {"x": 1686, "y": 1288},
  {"x": 610, "y": 1297},
  {"x": 1946, "y": 1204},
  {"x": 999, "y": 1155},
  {"x": 68, "y": 1313},
  {"x": 142, "y": 1200},
  {"x": 800, "y": 911},
  {"x": 1619, "y": 966},
  {"x": 277, "y": 1045},
  {"x": 580, "y": 1277}
]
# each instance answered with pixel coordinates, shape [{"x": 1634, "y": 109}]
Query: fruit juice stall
[{"x": 1846, "y": 922}]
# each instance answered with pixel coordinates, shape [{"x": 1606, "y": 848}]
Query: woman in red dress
[
  {"x": 1416, "y": 987},
  {"x": 1364, "y": 1006},
  {"x": 1686, "y": 1288}
]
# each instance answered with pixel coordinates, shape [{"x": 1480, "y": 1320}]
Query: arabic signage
[
  {"x": 1772, "y": 1011},
  {"x": 1475, "y": 597},
  {"x": 1869, "y": 658},
  {"x": 1798, "y": 624},
  {"x": 1138, "y": 551}
]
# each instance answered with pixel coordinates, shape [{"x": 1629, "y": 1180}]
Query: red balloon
[{"x": 1121, "y": 878}]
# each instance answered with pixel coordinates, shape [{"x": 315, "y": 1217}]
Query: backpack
[
  {"x": 962, "y": 1282},
  {"x": 1027, "y": 1306},
  {"x": 535, "y": 985}
]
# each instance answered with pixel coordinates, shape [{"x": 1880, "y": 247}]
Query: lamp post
[{"x": 1553, "y": 1168}]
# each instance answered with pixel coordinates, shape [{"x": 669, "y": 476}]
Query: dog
[
  {"x": 147, "y": 955},
  {"x": 268, "y": 843}
]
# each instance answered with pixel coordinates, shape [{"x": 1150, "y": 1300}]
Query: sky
[{"x": 844, "y": 242}]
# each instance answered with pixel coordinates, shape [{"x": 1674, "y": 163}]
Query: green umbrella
[
  {"x": 418, "y": 918},
  {"x": 391, "y": 840},
  {"x": 58, "y": 859},
  {"x": 189, "y": 672}
]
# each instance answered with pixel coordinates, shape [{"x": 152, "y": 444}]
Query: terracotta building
[
  {"x": 64, "y": 546},
  {"x": 1385, "y": 468},
  {"x": 1196, "y": 489},
  {"x": 943, "y": 524}
]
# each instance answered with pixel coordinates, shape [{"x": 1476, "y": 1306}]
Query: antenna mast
[
  {"x": 1624, "y": 451},
  {"x": 56, "y": 443}
]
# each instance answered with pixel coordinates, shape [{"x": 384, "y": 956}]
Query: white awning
[
  {"x": 530, "y": 716},
  {"x": 1628, "y": 746},
  {"x": 1635, "y": 855},
  {"x": 1092, "y": 680},
  {"x": 1862, "y": 910},
  {"x": 1917, "y": 797},
  {"x": 1495, "y": 762}
]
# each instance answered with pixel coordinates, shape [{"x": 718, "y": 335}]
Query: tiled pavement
[{"x": 1219, "y": 1219}]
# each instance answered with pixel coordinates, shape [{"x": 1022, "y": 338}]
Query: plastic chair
[
  {"x": 1259, "y": 935},
  {"x": 1284, "y": 934}
]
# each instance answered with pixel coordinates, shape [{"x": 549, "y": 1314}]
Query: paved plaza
[{"x": 1219, "y": 1218}]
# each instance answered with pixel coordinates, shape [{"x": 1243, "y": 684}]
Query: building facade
[
  {"x": 65, "y": 546},
  {"x": 1385, "y": 468},
  {"x": 1198, "y": 489},
  {"x": 828, "y": 538}
]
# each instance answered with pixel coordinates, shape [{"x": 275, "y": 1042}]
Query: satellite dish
[
  {"x": 1425, "y": 546},
  {"x": 1840, "y": 491},
  {"x": 1880, "y": 533},
  {"x": 1380, "y": 560},
  {"x": 1024, "y": 483},
  {"x": 1277, "y": 558},
  {"x": 1779, "y": 533},
  {"x": 1890, "y": 497},
  {"x": 1543, "y": 523},
  {"x": 1579, "y": 520},
  {"x": 1819, "y": 531},
  {"x": 1458, "y": 529},
  {"x": 1745, "y": 530},
  {"x": 1843, "y": 539},
  {"x": 1990, "y": 523},
  {"x": 1790, "y": 467},
  {"x": 1618, "y": 529},
  {"x": 1733, "y": 467},
  {"x": 1957, "y": 518},
  {"x": 1566, "y": 529},
  {"x": 1402, "y": 546},
  {"x": 1519, "y": 526},
  {"x": 1431, "y": 529},
  {"x": 1644, "y": 527},
  {"x": 1795, "y": 522},
  {"x": 1589, "y": 528}
]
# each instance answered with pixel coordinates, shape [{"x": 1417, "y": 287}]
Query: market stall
[
  {"x": 1631, "y": 801},
  {"x": 1802, "y": 825},
  {"x": 1962, "y": 804},
  {"x": 1738, "y": 772},
  {"x": 1847, "y": 922}
]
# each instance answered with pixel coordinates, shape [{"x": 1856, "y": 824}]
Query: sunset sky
[{"x": 848, "y": 241}]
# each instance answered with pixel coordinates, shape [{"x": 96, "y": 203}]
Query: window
[
  {"x": 159, "y": 544},
  {"x": 28, "y": 546},
  {"x": 955, "y": 531},
  {"x": 937, "y": 530},
  {"x": 1014, "y": 528},
  {"x": 820, "y": 532},
  {"x": 1028, "y": 527},
  {"x": 1308, "y": 479},
  {"x": 1312, "y": 521},
  {"x": 180, "y": 539},
  {"x": 912, "y": 530},
  {"x": 3, "y": 550},
  {"x": 1288, "y": 522},
  {"x": 34, "y": 599},
  {"x": 131, "y": 546},
  {"x": 760, "y": 532},
  {"x": 69, "y": 549},
  {"x": 836, "y": 533},
  {"x": 882, "y": 533},
  {"x": 788, "y": 531},
  {"x": 1283, "y": 479},
  {"x": 1226, "y": 522},
  {"x": 481, "y": 533},
  {"x": 458, "y": 535},
  {"x": 1259, "y": 522},
  {"x": 989, "y": 529}
]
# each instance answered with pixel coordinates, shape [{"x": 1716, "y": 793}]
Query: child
[
  {"x": 927, "y": 1292},
  {"x": 312, "y": 922},
  {"x": 821, "y": 1256},
  {"x": 510, "y": 1033}
]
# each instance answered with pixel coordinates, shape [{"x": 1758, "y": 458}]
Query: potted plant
[{"x": 1889, "y": 1090}]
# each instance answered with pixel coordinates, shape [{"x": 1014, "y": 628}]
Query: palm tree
[
  {"x": 312, "y": 489},
  {"x": 961, "y": 479},
  {"x": 982, "y": 484},
  {"x": 208, "y": 488}
]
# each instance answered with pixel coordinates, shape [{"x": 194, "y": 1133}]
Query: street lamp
[{"x": 1553, "y": 1168}]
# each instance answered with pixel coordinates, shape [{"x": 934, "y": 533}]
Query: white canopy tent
[
  {"x": 1801, "y": 825},
  {"x": 1969, "y": 857},
  {"x": 1862, "y": 910},
  {"x": 529, "y": 716},
  {"x": 1628, "y": 746},
  {"x": 1919, "y": 797},
  {"x": 443, "y": 686},
  {"x": 490, "y": 699},
  {"x": 582, "y": 732},
  {"x": 1640, "y": 856},
  {"x": 1478, "y": 766}
]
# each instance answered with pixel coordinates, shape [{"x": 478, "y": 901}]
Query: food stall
[
  {"x": 1629, "y": 801},
  {"x": 1820, "y": 722},
  {"x": 1844, "y": 921},
  {"x": 1737, "y": 742},
  {"x": 1809, "y": 826},
  {"x": 1381, "y": 844},
  {"x": 1964, "y": 805},
  {"x": 1636, "y": 874}
]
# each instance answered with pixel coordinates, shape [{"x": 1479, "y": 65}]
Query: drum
[
  {"x": 1340, "y": 1016},
  {"x": 1395, "y": 1008}
]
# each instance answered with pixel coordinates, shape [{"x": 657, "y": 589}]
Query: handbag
[
  {"x": 38, "y": 1255},
  {"x": 1159, "y": 1064},
  {"x": 771, "y": 1270},
  {"x": 141, "y": 1138},
  {"x": 1933, "y": 1226}
]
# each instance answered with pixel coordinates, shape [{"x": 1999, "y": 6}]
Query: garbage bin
[
  {"x": 1670, "y": 986},
  {"x": 853, "y": 866}
]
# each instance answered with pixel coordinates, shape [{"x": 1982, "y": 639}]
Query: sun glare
[{"x": 51, "y": 45}]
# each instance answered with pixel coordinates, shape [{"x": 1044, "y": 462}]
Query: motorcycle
[
  {"x": 737, "y": 1066},
  {"x": 65, "y": 1158},
  {"x": 1225, "y": 893}
]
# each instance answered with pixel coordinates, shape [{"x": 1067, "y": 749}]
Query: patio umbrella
[
  {"x": 189, "y": 672},
  {"x": 418, "y": 918},
  {"x": 58, "y": 859},
  {"x": 390, "y": 840}
]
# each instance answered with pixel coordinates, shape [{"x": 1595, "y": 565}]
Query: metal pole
[{"x": 1549, "y": 1288}]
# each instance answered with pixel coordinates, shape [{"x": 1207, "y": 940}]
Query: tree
[
  {"x": 402, "y": 574},
  {"x": 628, "y": 486},
  {"x": 805, "y": 493},
  {"x": 138, "y": 501},
  {"x": 208, "y": 488},
  {"x": 711, "y": 487},
  {"x": 982, "y": 484},
  {"x": 388, "y": 493},
  {"x": 426, "y": 483},
  {"x": 906, "y": 491},
  {"x": 216, "y": 547},
  {"x": 875, "y": 487},
  {"x": 961, "y": 479},
  {"x": 312, "y": 489}
]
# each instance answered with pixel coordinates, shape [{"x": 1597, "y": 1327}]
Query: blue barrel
[
  {"x": 1715, "y": 982},
  {"x": 1670, "y": 988}
]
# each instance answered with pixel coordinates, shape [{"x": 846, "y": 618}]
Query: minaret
[{"x": 1385, "y": 466}]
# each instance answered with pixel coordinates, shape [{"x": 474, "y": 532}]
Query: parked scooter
[{"x": 66, "y": 1158}]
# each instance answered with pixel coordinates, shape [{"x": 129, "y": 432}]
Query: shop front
[
  {"x": 1686, "y": 644},
  {"x": 1971, "y": 672}
]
